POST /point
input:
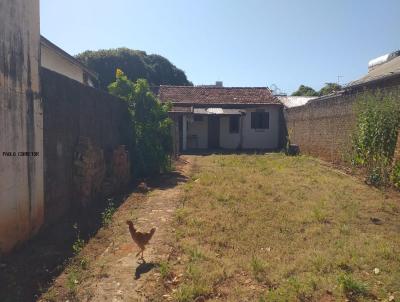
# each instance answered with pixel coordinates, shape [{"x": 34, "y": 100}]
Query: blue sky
[{"x": 240, "y": 42}]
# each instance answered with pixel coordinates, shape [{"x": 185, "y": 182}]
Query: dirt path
[{"x": 113, "y": 273}]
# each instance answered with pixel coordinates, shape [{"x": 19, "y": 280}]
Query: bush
[
  {"x": 151, "y": 125},
  {"x": 374, "y": 142}
]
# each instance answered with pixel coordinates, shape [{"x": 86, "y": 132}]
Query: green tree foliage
[
  {"x": 374, "y": 142},
  {"x": 329, "y": 88},
  {"x": 305, "y": 91},
  {"x": 136, "y": 64},
  {"x": 152, "y": 127},
  {"x": 308, "y": 91}
]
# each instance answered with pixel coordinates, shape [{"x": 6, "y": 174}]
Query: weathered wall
[
  {"x": 83, "y": 131},
  {"x": 323, "y": 127},
  {"x": 21, "y": 176}
]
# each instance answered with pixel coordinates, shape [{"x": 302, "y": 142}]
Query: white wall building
[
  {"x": 56, "y": 59},
  {"x": 216, "y": 117}
]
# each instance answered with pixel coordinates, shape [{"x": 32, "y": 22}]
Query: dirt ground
[{"x": 111, "y": 270}]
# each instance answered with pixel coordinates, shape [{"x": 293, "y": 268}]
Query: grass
[{"x": 277, "y": 228}]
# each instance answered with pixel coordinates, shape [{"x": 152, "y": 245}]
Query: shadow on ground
[
  {"x": 31, "y": 269},
  {"x": 144, "y": 268}
]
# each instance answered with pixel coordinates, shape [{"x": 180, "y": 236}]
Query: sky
[{"x": 240, "y": 42}]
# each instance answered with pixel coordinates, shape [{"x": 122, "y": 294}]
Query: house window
[
  {"x": 198, "y": 118},
  {"x": 234, "y": 124},
  {"x": 260, "y": 120}
]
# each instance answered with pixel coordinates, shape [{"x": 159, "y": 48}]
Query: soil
[{"x": 112, "y": 271}]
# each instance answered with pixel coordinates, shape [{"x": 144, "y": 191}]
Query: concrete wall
[
  {"x": 83, "y": 130},
  {"x": 21, "y": 177},
  {"x": 58, "y": 63}
]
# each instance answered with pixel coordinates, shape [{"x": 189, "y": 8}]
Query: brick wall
[
  {"x": 84, "y": 130},
  {"x": 323, "y": 127}
]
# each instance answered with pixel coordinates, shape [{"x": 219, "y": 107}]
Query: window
[
  {"x": 234, "y": 124},
  {"x": 260, "y": 120},
  {"x": 198, "y": 118}
]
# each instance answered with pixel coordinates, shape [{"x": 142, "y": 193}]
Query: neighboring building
[
  {"x": 212, "y": 117},
  {"x": 294, "y": 101},
  {"x": 56, "y": 59},
  {"x": 383, "y": 72}
]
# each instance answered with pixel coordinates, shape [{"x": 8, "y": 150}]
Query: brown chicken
[{"x": 141, "y": 239}]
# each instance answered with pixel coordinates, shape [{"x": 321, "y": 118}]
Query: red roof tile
[{"x": 217, "y": 95}]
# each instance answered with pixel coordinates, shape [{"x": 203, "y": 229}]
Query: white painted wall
[
  {"x": 21, "y": 123},
  {"x": 200, "y": 129},
  {"x": 262, "y": 138},
  {"x": 228, "y": 140},
  {"x": 56, "y": 62}
]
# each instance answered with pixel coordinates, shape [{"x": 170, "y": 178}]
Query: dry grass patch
[{"x": 277, "y": 228}]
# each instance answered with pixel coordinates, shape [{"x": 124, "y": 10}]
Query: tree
[
  {"x": 152, "y": 126},
  {"x": 329, "y": 88},
  {"x": 136, "y": 64},
  {"x": 305, "y": 91}
]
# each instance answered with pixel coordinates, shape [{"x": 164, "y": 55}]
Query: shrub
[
  {"x": 374, "y": 142},
  {"x": 151, "y": 125}
]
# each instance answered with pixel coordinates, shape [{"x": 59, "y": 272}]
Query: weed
[
  {"x": 258, "y": 268},
  {"x": 352, "y": 287},
  {"x": 165, "y": 269},
  {"x": 79, "y": 243},
  {"x": 106, "y": 216},
  {"x": 73, "y": 280},
  {"x": 189, "y": 292}
]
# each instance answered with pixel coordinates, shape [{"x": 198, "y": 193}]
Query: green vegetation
[
  {"x": 277, "y": 228},
  {"x": 156, "y": 69},
  {"x": 79, "y": 243},
  {"x": 308, "y": 91},
  {"x": 151, "y": 125},
  {"x": 106, "y": 216},
  {"x": 305, "y": 91},
  {"x": 375, "y": 138}
]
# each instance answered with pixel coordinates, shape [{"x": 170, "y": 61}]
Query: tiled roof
[{"x": 217, "y": 95}]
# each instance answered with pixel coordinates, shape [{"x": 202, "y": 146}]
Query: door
[{"x": 213, "y": 132}]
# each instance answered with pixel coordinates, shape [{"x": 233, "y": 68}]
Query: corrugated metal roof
[
  {"x": 219, "y": 111},
  {"x": 295, "y": 101}
]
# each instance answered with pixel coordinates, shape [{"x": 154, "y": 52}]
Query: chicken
[{"x": 141, "y": 239}]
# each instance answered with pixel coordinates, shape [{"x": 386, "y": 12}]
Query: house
[
  {"x": 55, "y": 59},
  {"x": 217, "y": 117},
  {"x": 383, "y": 72}
]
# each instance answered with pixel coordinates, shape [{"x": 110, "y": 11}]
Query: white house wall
[
  {"x": 262, "y": 138},
  {"x": 58, "y": 63},
  {"x": 227, "y": 140}
]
